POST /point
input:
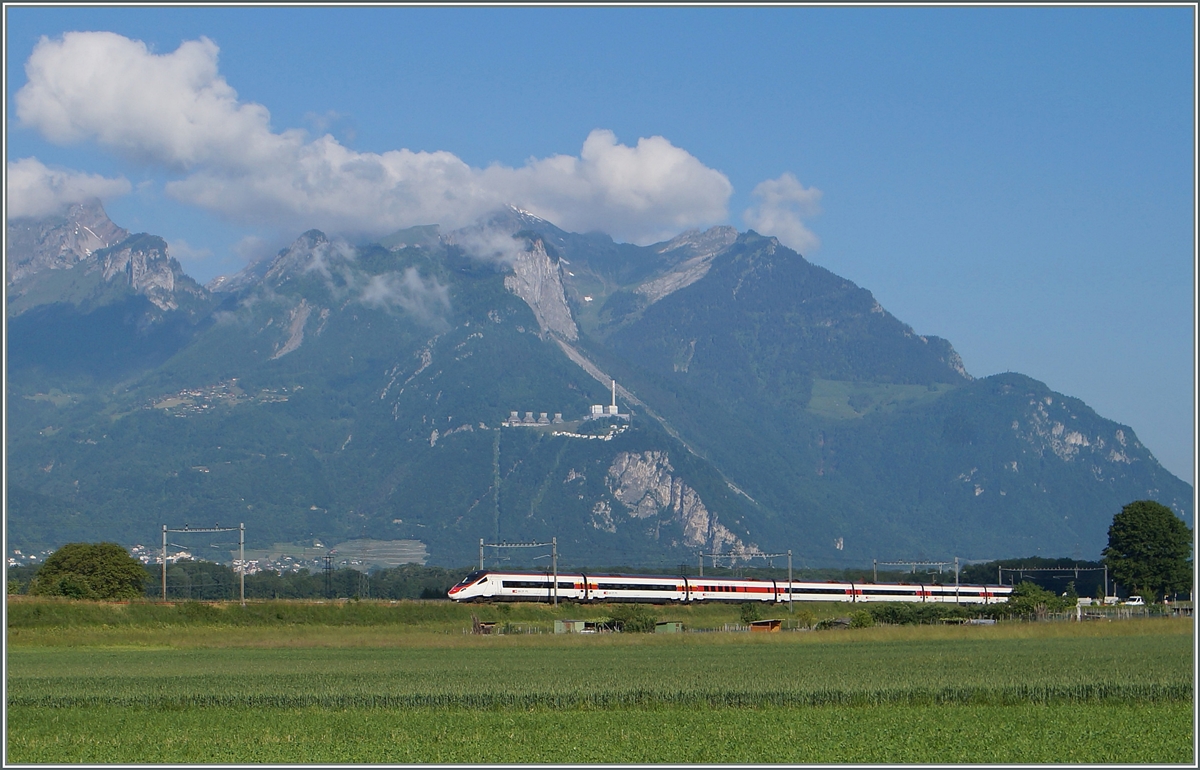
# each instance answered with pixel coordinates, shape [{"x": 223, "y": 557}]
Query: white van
[{"x": 1135, "y": 601}]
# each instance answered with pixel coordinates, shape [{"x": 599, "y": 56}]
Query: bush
[
  {"x": 749, "y": 612},
  {"x": 828, "y": 623},
  {"x": 861, "y": 619},
  {"x": 901, "y": 614},
  {"x": 634, "y": 618},
  {"x": 805, "y": 617},
  {"x": 1029, "y": 599}
]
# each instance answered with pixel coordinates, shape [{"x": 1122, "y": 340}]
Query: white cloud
[
  {"x": 782, "y": 206},
  {"x": 172, "y": 109},
  {"x": 175, "y": 110},
  {"x": 36, "y": 190},
  {"x": 186, "y": 253},
  {"x": 491, "y": 244},
  {"x": 251, "y": 248},
  {"x": 650, "y": 191},
  {"x": 427, "y": 301}
]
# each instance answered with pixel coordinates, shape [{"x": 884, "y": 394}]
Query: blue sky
[{"x": 1019, "y": 181}]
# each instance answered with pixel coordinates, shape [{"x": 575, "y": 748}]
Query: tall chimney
[{"x": 614, "y": 382}]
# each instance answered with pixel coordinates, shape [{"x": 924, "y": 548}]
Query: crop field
[{"x": 209, "y": 692}]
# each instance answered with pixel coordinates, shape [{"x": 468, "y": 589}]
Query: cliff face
[
  {"x": 81, "y": 258},
  {"x": 538, "y": 280},
  {"x": 57, "y": 243},
  {"x": 143, "y": 263},
  {"x": 644, "y": 482}
]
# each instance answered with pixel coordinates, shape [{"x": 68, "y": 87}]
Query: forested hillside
[{"x": 341, "y": 391}]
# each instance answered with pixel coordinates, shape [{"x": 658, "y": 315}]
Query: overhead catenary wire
[
  {"x": 241, "y": 565},
  {"x": 553, "y": 558}
]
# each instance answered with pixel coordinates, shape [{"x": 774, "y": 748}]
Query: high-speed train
[{"x": 489, "y": 585}]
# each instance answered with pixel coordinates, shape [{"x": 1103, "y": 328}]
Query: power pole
[
  {"x": 791, "y": 606},
  {"x": 242, "y": 559},
  {"x": 165, "y": 563},
  {"x": 495, "y": 489},
  {"x": 554, "y": 561}
]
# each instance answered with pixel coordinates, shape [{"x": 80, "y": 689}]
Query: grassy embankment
[{"x": 324, "y": 683}]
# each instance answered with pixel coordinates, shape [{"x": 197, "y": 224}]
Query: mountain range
[{"x": 449, "y": 387}]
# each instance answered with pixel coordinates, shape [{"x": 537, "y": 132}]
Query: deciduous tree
[
  {"x": 1150, "y": 550},
  {"x": 91, "y": 571}
]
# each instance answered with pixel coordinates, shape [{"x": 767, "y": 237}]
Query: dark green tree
[
  {"x": 1150, "y": 550},
  {"x": 90, "y": 571}
]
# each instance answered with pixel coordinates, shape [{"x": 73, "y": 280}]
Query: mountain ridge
[{"x": 361, "y": 391}]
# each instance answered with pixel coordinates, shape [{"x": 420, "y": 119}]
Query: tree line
[
  {"x": 107, "y": 571},
  {"x": 1149, "y": 553}
]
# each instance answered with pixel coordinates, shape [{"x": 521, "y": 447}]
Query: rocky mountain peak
[
  {"x": 694, "y": 243},
  {"x": 690, "y": 254},
  {"x": 143, "y": 262},
  {"x": 312, "y": 250},
  {"x": 60, "y": 241},
  {"x": 299, "y": 255}
]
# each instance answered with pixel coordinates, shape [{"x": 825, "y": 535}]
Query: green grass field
[
  {"x": 1132, "y": 733},
  {"x": 313, "y": 687}
]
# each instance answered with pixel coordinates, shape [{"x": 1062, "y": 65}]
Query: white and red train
[{"x": 490, "y": 585}]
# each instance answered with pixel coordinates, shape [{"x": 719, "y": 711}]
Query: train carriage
[{"x": 492, "y": 585}]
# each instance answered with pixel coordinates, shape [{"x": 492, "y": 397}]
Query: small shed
[
  {"x": 669, "y": 627},
  {"x": 772, "y": 626},
  {"x": 570, "y": 626}
]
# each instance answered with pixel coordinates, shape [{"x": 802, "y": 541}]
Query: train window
[
  {"x": 636, "y": 587},
  {"x": 540, "y": 584},
  {"x": 471, "y": 578}
]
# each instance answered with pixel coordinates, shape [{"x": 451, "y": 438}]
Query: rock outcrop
[
  {"x": 295, "y": 329},
  {"x": 83, "y": 238},
  {"x": 143, "y": 263},
  {"x": 58, "y": 242},
  {"x": 538, "y": 280},
  {"x": 696, "y": 251},
  {"x": 644, "y": 482}
]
